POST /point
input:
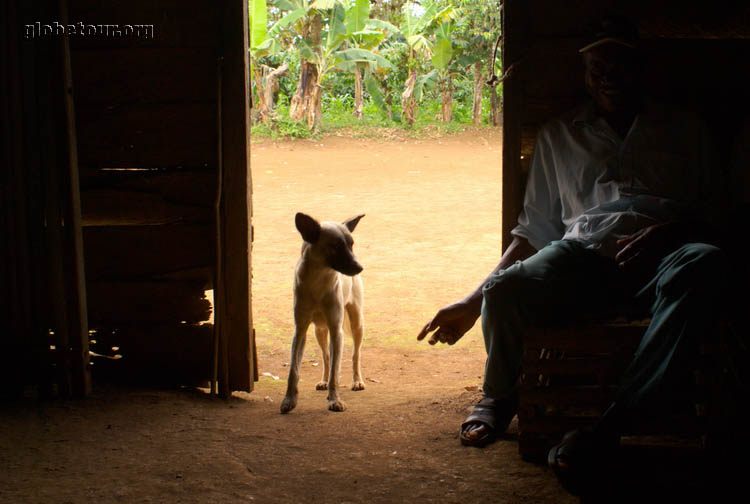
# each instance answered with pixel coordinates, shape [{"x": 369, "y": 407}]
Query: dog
[{"x": 327, "y": 292}]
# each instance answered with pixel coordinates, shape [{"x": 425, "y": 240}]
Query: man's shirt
[{"x": 588, "y": 184}]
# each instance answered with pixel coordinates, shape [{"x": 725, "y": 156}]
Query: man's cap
[{"x": 611, "y": 30}]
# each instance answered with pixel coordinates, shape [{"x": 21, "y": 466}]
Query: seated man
[{"x": 616, "y": 210}]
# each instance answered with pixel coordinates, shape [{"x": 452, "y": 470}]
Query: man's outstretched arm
[{"x": 453, "y": 321}]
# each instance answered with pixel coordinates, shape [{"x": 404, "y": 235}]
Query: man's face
[{"x": 611, "y": 77}]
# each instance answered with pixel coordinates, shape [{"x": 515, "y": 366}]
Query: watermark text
[{"x": 81, "y": 29}]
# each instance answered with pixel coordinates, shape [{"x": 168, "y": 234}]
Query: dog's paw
[
  {"x": 336, "y": 405},
  {"x": 322, "y": 385},
  {"x": 288, "y": 404},
  {"x": 358, "y": 385}
]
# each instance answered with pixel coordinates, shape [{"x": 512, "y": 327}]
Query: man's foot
[
  {"x": 582, "y": 458},
  {"x": 488, "y": 419}
]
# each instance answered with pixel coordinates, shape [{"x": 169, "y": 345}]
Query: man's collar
[{"x": 587, "y": 114}]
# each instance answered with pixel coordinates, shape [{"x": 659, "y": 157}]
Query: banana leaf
[
  {"x": 357, "y": 17},
  {"x": 373, "y": 87},
  {"x": 428, "y": 81},
  {"x": 382, "y": 25},
  {"x": 288, "y": 19},
  {"x": 443, "y": 53},
  {"x": 285, "y": 4},
  {"x": 258, "y": 22},
  {"x": 362, "y": 56},
  {"x": 323, "y": 4},
  {"x": 336, "y": 27}
]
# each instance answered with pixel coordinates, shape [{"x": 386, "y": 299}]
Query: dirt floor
[{"x": 431, "y": 233}]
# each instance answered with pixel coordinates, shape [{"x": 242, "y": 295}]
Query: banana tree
[
  {"x": 304, "y": 22},
  {"x": 263, "y": 42},
  {"x": 441, "y": 59},
  {"x": 259, "y": 43},
  {"x": 480, "y": 28},
  {"x": 359, "y": 36},
  {"x": 417, "y": 23},
  {"x": 321, "y": 46},
  {"x": 451, "y": 57}
]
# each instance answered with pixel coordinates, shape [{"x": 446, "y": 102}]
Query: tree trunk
[
  {"x": 271, "y": 86},
  {"x": 408, "y": 104},
  {"x": 259, "y": 104},
  {"x": 476, "y": 111},
  {"x": 358, "y": 95},
  {"x": 315, "y": 110},
  {"x": 495, "y": 116},
  {"x": 302, "y": 106},
  {"x": 447, "y": 85},
  {"x": 494, "y": 101},
  {"x": 266, "y": 84}
]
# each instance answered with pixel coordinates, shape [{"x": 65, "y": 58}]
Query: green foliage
[
  {"x": 424, "y": 83},
  {"x": 358, "y": 15},
  {"x": 443, "y": 54},
  {"x": 433, "y": 37},
  {"x": 355, "y": 55},
  {"x": 258, "y": 22},
  {"x": 281, "y": 128}
]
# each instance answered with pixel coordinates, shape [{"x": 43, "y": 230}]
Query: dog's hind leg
[
  {"x": 321, "y": 333},
  {"x": 357, "y": 323},
  {"x": 298, "y": 347}
]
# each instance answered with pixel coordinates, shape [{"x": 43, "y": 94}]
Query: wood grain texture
[
  {"x": 103, "y": 207},
  {"x": 142, "y": 252},
  {"x": 117, "y": 76},
  {"x": 147, "y": 136},
  {"x": 130, "y": 302}
]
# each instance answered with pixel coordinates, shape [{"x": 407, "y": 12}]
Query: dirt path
[{"x": 431, "y": 234}]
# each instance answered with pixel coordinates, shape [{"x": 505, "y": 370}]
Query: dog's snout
[{"x": 351, "y": 269}]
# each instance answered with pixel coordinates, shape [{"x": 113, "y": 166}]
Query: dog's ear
[
  {"x": 308, "y": 227},
  {"x": 352, "y": 223}
]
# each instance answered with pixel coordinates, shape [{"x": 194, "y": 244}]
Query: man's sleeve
[{"x": 540, "y": 220}]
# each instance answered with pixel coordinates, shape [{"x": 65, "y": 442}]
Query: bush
[{"x": 282, "y": 126}]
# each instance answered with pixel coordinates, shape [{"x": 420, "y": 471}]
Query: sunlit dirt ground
[{"x": 430, "y": 235}]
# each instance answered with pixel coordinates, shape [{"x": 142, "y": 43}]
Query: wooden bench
[{"x": 569, "y": 377}]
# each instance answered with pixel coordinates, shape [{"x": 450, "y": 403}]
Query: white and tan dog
[{"x": 327, "y": 290}]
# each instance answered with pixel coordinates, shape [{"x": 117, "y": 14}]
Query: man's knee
[
  {"x": 704, "y": 258},
  {"x": 696, "y": 265},
  {"x": 504, "y": 286}
]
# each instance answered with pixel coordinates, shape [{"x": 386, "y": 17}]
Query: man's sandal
[
  {"x": 492, "y": 414},
  {"x": 580, "y": 459}
]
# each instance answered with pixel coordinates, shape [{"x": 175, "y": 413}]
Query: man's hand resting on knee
[{"x": 641, "y": 252}]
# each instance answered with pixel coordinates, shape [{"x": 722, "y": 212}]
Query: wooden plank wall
[
  {"x": 698, "y": 58},
  {"x": 146, "y": 111},
  {"x": 45, "y": 336}
]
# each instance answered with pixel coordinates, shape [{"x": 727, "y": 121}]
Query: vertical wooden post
[
  {"x": 513, "y": 97},
  {"x": 66, "y": 281},
  {"x": 233, "y": 280},
  {"x": 75, "y": 290}
]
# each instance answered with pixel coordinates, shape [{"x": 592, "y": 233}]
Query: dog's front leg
[
  {"x": 357, "y": 323},
  {"x": 298, "y": 347},
  {"x": 321, "y": 333},
  {"x": 337, "y": 347}
]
